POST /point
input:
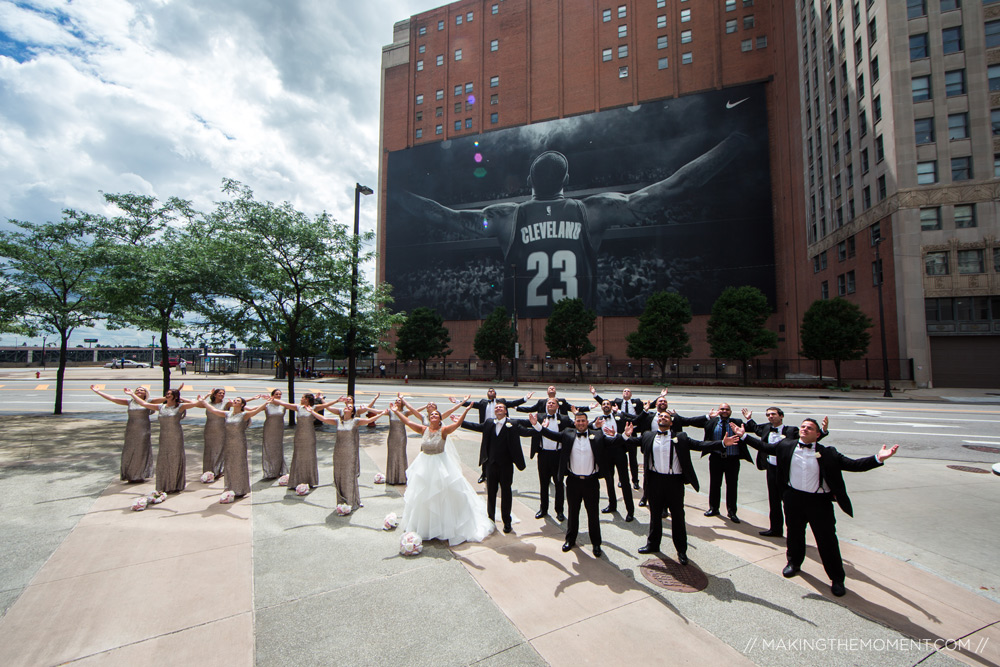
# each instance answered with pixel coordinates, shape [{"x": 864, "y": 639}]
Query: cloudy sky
[{"x": 168, "y": 97}]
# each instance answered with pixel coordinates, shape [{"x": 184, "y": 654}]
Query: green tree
[
  {"x": 835, "y": 329},
  {"x": 495, "y": 339},
  {"x": 155, "y": 269},
  {"x": 54, "y": 268},
  {"x": 568, "y": 330},
  {"x": 660, "y": 335},
  {"x": 736, "y": 327},
  {"x": 421, "y": 337},
  {"x": 274, "y": 268}
]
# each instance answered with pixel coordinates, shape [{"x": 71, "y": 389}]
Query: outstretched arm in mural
[
  {"x": 493, "y": 221},
  {"x": 612, "y": 208}
]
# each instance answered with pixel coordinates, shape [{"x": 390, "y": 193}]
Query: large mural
[{"x": 608, "y": 207}]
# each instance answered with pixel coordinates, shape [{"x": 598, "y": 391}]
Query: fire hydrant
[
  {"x": 406, "y": 379},
  {"x": 38, "y": 374}
]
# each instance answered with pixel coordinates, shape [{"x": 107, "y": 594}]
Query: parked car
[
  {"x": 124, "y": 363},
  {"x": 172, "y": 361}
]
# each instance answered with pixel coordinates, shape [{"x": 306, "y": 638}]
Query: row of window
[
  {"x": 958, "y": 127},
  {"x": 964, "y": 216},
  {"x": 970, "y": 262},
  {"x": 459, "y": 89},
  {"x": 963, "y": 308},
  {"x": 951, "y": 41},
  {"x": 439, "y": 129},
  {"x": 917, "y": 8},
  {"x": 459, "y": 19}
]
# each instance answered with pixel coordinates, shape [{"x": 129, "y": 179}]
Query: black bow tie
[
  {"x": 774, "y": 429},
  {"x": 805, "y": 446}
]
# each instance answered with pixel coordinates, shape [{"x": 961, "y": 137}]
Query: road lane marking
[
  {"x": 940, "y": 435},
  {"x": 908, "y": 424},
  {"x": 41, "y": 386}
]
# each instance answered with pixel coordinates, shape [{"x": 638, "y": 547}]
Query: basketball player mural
[{"x": 550, "y": 242}]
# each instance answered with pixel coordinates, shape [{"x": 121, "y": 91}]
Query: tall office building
[
  {"x": 899, "y": 110},
  {"x": 708, "y": 143}
]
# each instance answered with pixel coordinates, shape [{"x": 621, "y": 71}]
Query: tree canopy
[
  {"x": 495, "y": 339},
  {"x": 422, "y": 337},
  {"x": 736, "y": 327},
  {"x": 568, "y": 329},
  {"x": 835, "y": 329},
  {"x": 660, "y": 335}
]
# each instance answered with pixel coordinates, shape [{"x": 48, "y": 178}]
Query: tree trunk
[
  {"x": 61, "y": 371},
  {"x": 289, "y": 363},
  {"x": 745, "y": 379},
  {"x": 836, "y": 364},
  {"x": 579, "y": 366},
  {"x": 164, "y": 352}
]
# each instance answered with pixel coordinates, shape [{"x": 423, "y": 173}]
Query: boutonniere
[
  {"x": 674, "y": 439},
  {"x": 818, "y": 455},
  {"x": 591, "y": 436},
  {"x": 508, "y": 425}
]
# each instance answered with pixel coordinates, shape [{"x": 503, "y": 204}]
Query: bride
[{"x": 439, "y": 502}]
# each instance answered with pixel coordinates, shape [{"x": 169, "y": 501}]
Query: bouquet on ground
[
  {"x": 227, "y": 497},
  {"x": 139, "y": 504},
  {"x": 379, "y": 478},
  {"x": 302, "y": 489},
  {"x": 390, "y": 522},
  {"x": 343, "y": 509},
  {"x": 283, "y": 480},
  {"x": 157, "y": 497},
  {"x": 411, "y": 544},
  {"x": 208, "y": 477}
]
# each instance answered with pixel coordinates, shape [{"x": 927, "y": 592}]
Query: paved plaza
[{"x": 280, "y": 579}]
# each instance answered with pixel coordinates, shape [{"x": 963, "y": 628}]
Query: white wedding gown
[{"x": 439, "y": 502}]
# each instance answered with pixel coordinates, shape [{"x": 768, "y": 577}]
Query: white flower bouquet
[
  {"x": 379, "y": 478},
  {"x": 411, "y": 544},
  {"x": 227, "y": 497},
  {"x": 208, "y": 477},
  {"x": 343, "y": 509},
  {"x": 157, "y": 497},
  {"x": 390, "y": 522},
  {"x": 283, "y": 480},
  {"x": 139, "y": 504},
  {"x": 302, "y": 489}
]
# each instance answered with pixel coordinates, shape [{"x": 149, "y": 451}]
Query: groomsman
[
  {"x": 487, "y": 407},
  {"x": 773, "y": 432},
  {"x": 565, "y": 407},
  {"x": 632, "y": 410},
  {"x": 812, "y": 476},
  {"x": 616, "y": 458},
  {"x": 667, "y": 461},
  {"x": 499, "y": 452},
  {"x": 548, "y": 459},
  {"x": 718, "y": 424},
  {"x": 582, "y": 452}
]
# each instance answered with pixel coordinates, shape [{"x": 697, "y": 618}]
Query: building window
[
  {"x": 458, "y": 90},
  {"x": 420, "y": 99},
  {"x": 661, "y": 21},
  {"x": 927, "y": 172},
  {"x": 622, "y": 11},
  {"x": 458, "y": 54},
  {"x": 422, "y": 48},
  {"x": 495, "y": 9},
  {"x": 685, "y": 15},
  {"x": 685, "y": 36},
  {"x": 439, "y": 94},
  {"x": 924, "y": 130},
  {"x": 606, "y": 55},
  {"x": 622, "y": 31},
  {"x": 440, "y": 60},
  {"x": 468, "y": 88},
  {"x": 494, "y": 81},
  {"x": 661, "y": 42},
  {"x": 438, "y": 112},
  {"x": 762, "y": 42},
  {"x": 842, "y": 251},
  {"x": 468, "y": 17},
  {"x": 842, "y": 285},
  {"x": 419, "y": 116},
  {"x": 662, "y": 63},
  {"x": 948, "y": 5},
  {"x": 623, "y": 72},
  {"x": 606, "y": 15},
  {"x": 874, "y": 69},
  {"x": 440, "y": 25},
  {"x": 420, "y": 65},
  {"x": 494, "y": 118},
  {"x": 468, "y": 123},
  {"x": 954, "y": 83},
  {"x": 422, "y": 30},
  {"x": 958, "y": 126},
  {"x": 748, "y": 21},
  {"x": 458, "y": 125},
  {"x": 918, "y": 46},
  {"x": 872, "y": 32},
  {"x": 877, "y": 108},
  {"x": 850, "y": 282},
  {"x": 921, "y": 86},
  {"x": 746, "y": 45},
  {"x": 992, "y": 34},
  {"x": 930, "y": 219},
  {"x": 971, "y": 261},
  {"x": 458, "y": 19},
  {"x": 951, "y": 39},
  {"x": 879, "y": 149},
  {"x": 730, "y": 5},
  {"x": 687, "y": 58},
  {"x": 419, "y": 133},
  {"x": 961, "y": 168},
  {"x": 747, "y": 3},
  {"x": 880, "y": 184},
  {"x": 824, "y": 290},
  {"x": 916, "y": 8},
  {"x": 660, "y": 4},
  {"x": 623, "y": 51},
  {"x": 936, "y": 264},
  {"x": 458, "y": 107},
  {"x": 494, "y": 98},
  {"x": 965, "y": 216},
  {"x": 438, "y": 129},
  {"x": 994, "y": 75},
  {"x": 866, "y": 197},
  {"x": 875, "y": 233},
  {"x": 495, "y": 45}
]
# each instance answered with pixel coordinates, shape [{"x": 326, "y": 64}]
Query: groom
[{"x": 499, "y": 452}]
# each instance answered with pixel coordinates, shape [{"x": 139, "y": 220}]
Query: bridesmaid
[
  {"x": 170, "y": 464},
  {"x": 273, "y": 445},
  {"x": 346, "y": 453},
  {"x": 213, "y": 460},
  {"x": 235, "y": 450},
  {"x": 304, "y": 468},
  {"x": 137, "y": 453},
  {"x": 396, "y": 462}
]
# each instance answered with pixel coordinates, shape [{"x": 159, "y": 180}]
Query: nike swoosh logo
[{"x": 730, "y": 105}]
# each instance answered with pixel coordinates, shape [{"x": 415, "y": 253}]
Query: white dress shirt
[
  {"x": 581, "y": 458},
  {"x": 774, "y": 437},
  {"x": 665, "y": 460},
  {"x": 803, "y": 474},
  {"x": 499, "y": 424}
]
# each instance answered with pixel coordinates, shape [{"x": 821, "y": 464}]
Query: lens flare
[{"x": 478, "y": 157}]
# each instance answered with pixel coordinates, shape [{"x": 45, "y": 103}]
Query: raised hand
[
  {"x": 629, "y": 427},
  {"x": 450, "y": 398},
  {"x": 825, "y": 425},
  {"x": 738, "y": 430},
  {"x": 714, "y": 412},
  {"x": 592, "y": 390},
  {"x": 747, "y": 414},
  {"x": 730, "y": 440},
  {"x": 886, "y": 452},
  {"x": 599, "y": 422},
  {"x": 529, "y": 395},
  {"x": 533, "y": 418},
  {"x": 609, "y": 430}
]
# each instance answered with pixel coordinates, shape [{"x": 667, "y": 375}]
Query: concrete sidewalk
[{"x": 278, "y": 579}]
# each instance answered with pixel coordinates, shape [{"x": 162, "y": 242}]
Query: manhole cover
[
  {"x": 983, "y": 448},
  {"x": 673, "y": 576},
  {"x": 968, "y": 469}
]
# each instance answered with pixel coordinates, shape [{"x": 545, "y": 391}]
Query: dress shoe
[
  {"x": 664, "y": 514},
  {"x": 838, "y": 589},
  {"x": 642, "y": 502},
  {"x": 567, "y": 546},
  {"x": 646, "y": 549},
  {"x": 635, "y": 485},
  {"x": 619, "y": 485},
  {"x": 629, "y": 517},
  {"x": 560, "y": 516},
  {"x": 734, "y": 518},
  {"x": 712, "y": 513},
  {"x": 507, "y": 528},
  {"x": 789, "y": 571},
  {"x": 482, "y": 478},
  {"x": 770, "y": 533},
  {"x": 682, "y": 559},
  {"x": 608, "y": 510},
  {"x": 540, "y": 513},
  {"x": 597, "y": 551}
]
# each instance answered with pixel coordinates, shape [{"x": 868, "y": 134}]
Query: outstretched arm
[
  {"x": 202, "y": 403},
  {"x": 287, "y": 406},
  {"x": 322, "y": 418},
  {"x": 113, "y": 399},
  {"x": 416, "y": 426},
  {"x": 145, "y": 404},
  {"x": 252, "y": 411},
  {"x": 448, "y": 428},
  {"x": 472, "y": 222},
  {"x": 447, "y": 413}
]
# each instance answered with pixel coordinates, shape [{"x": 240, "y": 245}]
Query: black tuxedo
[
  {"x": 539, "y": 406},
  {"x": 498, "y": 454},
  {"x": 806, "y": 507},
  {"x": 548, "y": 464},
  {"x": 638, "y": 418},
  {"x": 483, "y": 403},
  {"x": 665, "y": 490},
  {"x": 638, "y": 407},
  {"x": 581, "y": 488},
  {"x": 774, "y": 487},
  {"x": 720, "y": 464},
  {"x": 616, "y": 458}
]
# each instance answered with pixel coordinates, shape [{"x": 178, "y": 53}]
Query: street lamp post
[
  {"x": 887, "y": 393},
  {"x": 513, "y": 268},
  {"x": 152, "y": 351},
  {"x": 352, "y": 331}
]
